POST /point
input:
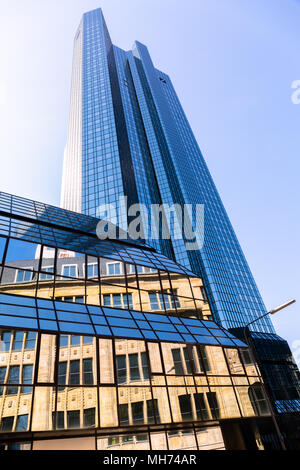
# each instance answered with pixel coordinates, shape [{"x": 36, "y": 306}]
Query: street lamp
[{"x": 271, "y": 312}]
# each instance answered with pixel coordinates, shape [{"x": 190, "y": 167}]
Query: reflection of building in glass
[
  {"x": 115, "y": 345},
  {"x": 128, "y": 136}
]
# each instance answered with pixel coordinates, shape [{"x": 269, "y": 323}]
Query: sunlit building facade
[{"x": 111, "y": 345}]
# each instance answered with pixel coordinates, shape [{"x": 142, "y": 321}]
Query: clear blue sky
[{"x": 232, "y": 63}]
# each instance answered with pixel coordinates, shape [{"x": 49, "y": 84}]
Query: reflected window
[
  {"x": 88, "y": 378},
  {"x": 24, "y": 276},
  {"x": 92, "y": 270},
  {"x": 5, "y": 341},
  {"x": 27, "y": 378},
  {"x": 204, "y": 295},
  {"x": 152, "y": 411},
  {"x": 2, "y": 378},
  {"x": 70, "y": 270},
  {"x": 121, "y": 369},
  {"x": 22, "y": 423},
  {"x": 186, "y": 407},
  {"x": 74, "y": 375},
  {"x": 89, "y": 418},
  {"x": 137, "y": 410},
  {"x": 123, "y": 414},
  {"x": 117, "y": 300},
  {"x": 213, "y": 404},
  {"x": 73, "y": 419},
  {"x": 30, "y": 340},
  {"x": 113, "y": 441},
  {"x": 7, "y": 423},
  {"x": 63, "y": 340},
  {"x": 201, "y": 409},
  {"x": 113, "y": 269},
  {"x": 177, "y": 361},
  {"x": 258, "y": 399},
  {"x": 18, "y": 341},
  {"x": 60, "y": 420},
  {"x": 134, "y": 371},
  {"x": 75, "y": 340},
  {"x": 145, "y": 365},
  {"x": 13, "y": 378},
  {"x": 62, "y": 375},
  {"x": 46, "y": 277},
  {"x": 246, "y": 357},
  {"x": 203, "y": 358}
]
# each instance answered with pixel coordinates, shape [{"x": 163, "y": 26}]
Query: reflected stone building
[{"x": 111, "y": 345}]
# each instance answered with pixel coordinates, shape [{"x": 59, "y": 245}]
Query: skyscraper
[{"x": 128, "y": 136}]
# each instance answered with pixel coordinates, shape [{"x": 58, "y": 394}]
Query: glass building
[
  {"x": 128, "y": 136},
  {"x": 111, "y": 345}
]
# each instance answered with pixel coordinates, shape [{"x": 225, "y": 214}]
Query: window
[
  {"x": 30, "y": 340},
  {"x": 74, "y": 375},
  {"x": 70, "y": 270},
  {"x": 73, "y": 419},
  {"x": 18, "y": 341},
  {"x": 134, "y": 367},
  {"x": 203, "y": 358},
  {"x": 137, "y": 410},
  {"x": 145, "y": 365},
  {"x": 24, "y": 276},
  {"x": 88, "y": 378},
  {"x": 89, "y": 418},
  {"x": 201, "y": 410},
  {"x": 117, "y": 300},
  {"x": 79, "y": 299},
  {"x": 63, "y": 341},
  {"x": 60, "y": 419},
  {"x": 185, "y": 407},
  {"x": 154, "y": 301},
  {"x": 7, "y": 423},
  {"x": 75, "y": 340},
  {"x": 22, "y": 423},
  {"x": 121, "y": 369},
  {"x": 178, "y": 366},
  {"x": 204, "y": 295},
  {"x": 258, "y": 399},
  {"x": 140, "y": 269},
  {"x": 46, "y": 277},
  {"x": 92, "y": 270},
  {"x": 5, "y": 341},
  {"x": 174, "y": 299},
  {"x": 152, "y": 411},
  {"x": 113, "y": 269},
  {"x": 106, "y": 300},
  {"x": 27, "y": 378},
  {"x": 188, "y": 361},
  {"x": 87, "y": 339},
  {"x": 62, "y": 375},
  {"x": 2, "y": 378},
  {"x": 13, "y": 378},
  {"x": 246, "y": 356},
  {"x": 123, "y": 414},
  {"x": 113, "y": 441},
  {"x": 127, "y": 304},
  {"x": 213, "y": 404}
]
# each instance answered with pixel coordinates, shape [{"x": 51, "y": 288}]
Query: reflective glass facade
[
  {"x": 128, "y": 136},
  {"x": 136, "y": 142},
  {"x": 113, "y": 352}
]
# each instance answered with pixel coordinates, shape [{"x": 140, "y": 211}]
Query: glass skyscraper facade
[{"x": 129, "y": 136}]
